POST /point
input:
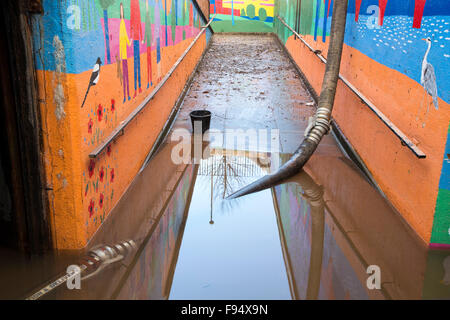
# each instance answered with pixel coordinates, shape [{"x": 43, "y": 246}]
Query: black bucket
[{"x": 203, "y": 116}]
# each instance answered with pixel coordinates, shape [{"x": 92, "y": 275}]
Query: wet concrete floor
[{"x": 313, "y": 237}]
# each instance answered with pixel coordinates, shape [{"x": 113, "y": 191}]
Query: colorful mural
[
  {"x": 387, "y": 32},
  {"x": 397, "y": 54},
  {"x": 97, "y": 60},
  {"x": 242, "y": 16}
]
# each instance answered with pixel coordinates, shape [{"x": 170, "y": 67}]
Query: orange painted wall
[
  {"x": 68, "y": 139},
  {"x": 411, "y": 184}
]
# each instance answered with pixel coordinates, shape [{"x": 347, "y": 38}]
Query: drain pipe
[{"x": 321, "y": 124}]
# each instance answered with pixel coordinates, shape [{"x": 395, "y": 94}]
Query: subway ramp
[{"x": 310, "y": 238}]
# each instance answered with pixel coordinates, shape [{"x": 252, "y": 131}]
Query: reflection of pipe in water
[
  {"x": 313, "y": 194},
  {"x": 322, "y": 117},
  {"x": 171, "y": 272}
]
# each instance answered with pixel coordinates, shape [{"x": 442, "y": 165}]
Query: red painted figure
[
  {"x": 418, "y": 13},
  {"x": 382, "y": 4}
]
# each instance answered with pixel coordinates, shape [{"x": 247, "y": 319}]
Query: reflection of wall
[
  {"x": 69, "y": 38},
  {"x": 152, "y": 275},
  {"x": 303, "y": 228},
  {"x": 338, "y": 279},
  {"x": 382, "y": 58},
  {"x": 242, "y": 15},
  {"x": 358, "y": 215},
  {"x": 355, "y": 216}
]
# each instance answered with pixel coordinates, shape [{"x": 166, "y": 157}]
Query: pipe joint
[{"x": 321, "y": 128}]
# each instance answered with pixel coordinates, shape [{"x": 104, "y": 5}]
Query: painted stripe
[
  {"x": 382, "y": 4},
  {"x": 357, "y": 8},
  {"x": 316, "y": 24}
]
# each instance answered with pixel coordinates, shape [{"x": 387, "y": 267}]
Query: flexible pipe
[{"x": 323, "y": 113}]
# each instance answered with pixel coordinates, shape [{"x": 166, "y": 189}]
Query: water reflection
[
  {"x": 312, "y": 237},
  {"x": 317, "y": 267},
  {"x": 333, "y": 232},
  {"x": 150, "y": 274},
  {"x": 238, "y": 256},
  {"x": 313, "y": 195}
]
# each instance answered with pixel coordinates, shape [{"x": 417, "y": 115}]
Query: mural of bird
[
  {"x": 428, "y": 77},
  {"x": 94, "y": 78}
]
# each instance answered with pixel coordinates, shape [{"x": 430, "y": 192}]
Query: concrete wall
[
  {"x": 70, "y": 37},
  {"x": 382, "y": 58},
  {"x": 242, "y": 16}
]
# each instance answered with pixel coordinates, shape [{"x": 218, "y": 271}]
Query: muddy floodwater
[{"x": 319, "y": 235}]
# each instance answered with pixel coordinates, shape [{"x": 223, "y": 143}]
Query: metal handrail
[
  {"x": 120, "y": 128},
  {"x": 403, "y": 138}
]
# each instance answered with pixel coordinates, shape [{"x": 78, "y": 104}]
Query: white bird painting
[{"x": 428, "y": 77}]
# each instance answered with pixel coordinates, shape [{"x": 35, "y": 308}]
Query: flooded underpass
[{"x": 313, "y": 237}]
